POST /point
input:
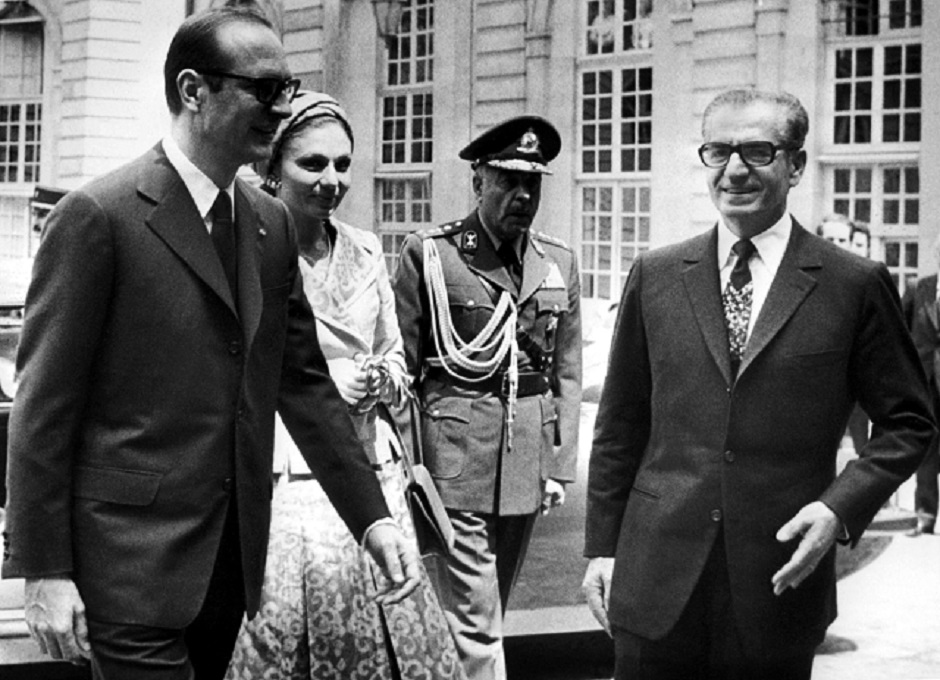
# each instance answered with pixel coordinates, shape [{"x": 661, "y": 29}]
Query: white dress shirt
[
  {"x": 200, "y": 187},
  {"x": 770, "y": 246}
]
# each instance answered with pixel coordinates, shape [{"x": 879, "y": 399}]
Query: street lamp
[{"x": 387, "y": 17}]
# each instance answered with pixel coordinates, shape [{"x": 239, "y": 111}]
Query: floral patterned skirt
[{"x": 317, "y": 617}]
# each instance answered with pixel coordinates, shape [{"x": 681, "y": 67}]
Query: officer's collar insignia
[
  {"x": 554, "y": 278},
  {"x": 469, "y": 242},
  {"x": 529, "y": 142}
]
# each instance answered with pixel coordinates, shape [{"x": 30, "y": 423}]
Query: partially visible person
[
  {"x": 922, "y": 309},
  {"x": 713, "y": 501},
  {"x": 836, "y": 228},
  {"x": 165, "y": 323},
  {"x": 316, "y": 619},
  {"x": 861, "y": 239},
  {"x": 840, "y": 230},
  {"x": 489, "y": 311}
]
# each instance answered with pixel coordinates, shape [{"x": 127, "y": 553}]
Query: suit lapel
[
  {"x": 702, "y": 284},
  {"x": 250, "y": 243},
  {"x": 789, "y": 288},
  {"x": 535, "y": 268},
  {"x": 178, "y": 223}
]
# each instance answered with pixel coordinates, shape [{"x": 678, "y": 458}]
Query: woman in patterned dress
[{"x": 318, "y": 617}]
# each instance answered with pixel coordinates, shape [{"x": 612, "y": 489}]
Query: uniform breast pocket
[
  {"x": 470, "y": 308},
  {"x": 551, "y": 301}
]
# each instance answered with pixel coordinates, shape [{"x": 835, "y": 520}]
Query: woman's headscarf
[{"x": 305, "y": 106}]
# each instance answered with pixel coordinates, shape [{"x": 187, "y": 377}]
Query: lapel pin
[{"x": 262, "y": 233}]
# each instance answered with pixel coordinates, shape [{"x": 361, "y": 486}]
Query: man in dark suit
[
  {"x": 713, "y": 500},
  {"x": 922, "y": 310},
  {"x": 161, "y": 334}
]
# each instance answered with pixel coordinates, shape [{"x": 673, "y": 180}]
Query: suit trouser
[
  {"x": 705, "y": 643},
  {"x": 927, "y": 490},
  {"x": 474, "y": 584},
  {"x": 201, "y": 651}
]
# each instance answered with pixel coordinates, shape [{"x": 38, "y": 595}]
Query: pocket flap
[
  {"x": 114, "y": 485},
  {"x": 451, "y": 408}
]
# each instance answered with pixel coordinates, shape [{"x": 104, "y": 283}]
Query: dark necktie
[
  {"x": 223, "y": 236},
  {"x": 507, "y": 254},
  {"x": 736, "y": 301}
]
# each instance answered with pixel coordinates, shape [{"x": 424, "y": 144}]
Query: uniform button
[
  {"x": 555, "y": 308},
  {"x": 729, "y": 456},
  {"x": 470, "y": 303},
  {"x": 235, "y": 347},
  {"x": 228, "y": 484},
  {"x": 436, "y": 412},
  {"x": 716, "y": 515}
]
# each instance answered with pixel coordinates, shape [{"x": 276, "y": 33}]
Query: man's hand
[
  {"x": 819, "y": 528},
  {"x": 55, "y": 615},
  {"x": 596, "y": 587},
  {"x": 553, "y": 495},
  {"x": 397, "y": 558}
]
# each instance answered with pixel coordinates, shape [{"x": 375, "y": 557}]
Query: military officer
[{"x": 489, "y": 311}]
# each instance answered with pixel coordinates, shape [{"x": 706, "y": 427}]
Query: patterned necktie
[
  {"x": 223, "y": 237},
  {"x": 507, "y": 254},
  {"x": 736, "y": 301}
]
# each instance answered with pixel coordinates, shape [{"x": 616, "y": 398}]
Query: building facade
[{"x": 625, "y": 81}]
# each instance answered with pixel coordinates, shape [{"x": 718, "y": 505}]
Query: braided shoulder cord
[{"x": 454, "y": 353}]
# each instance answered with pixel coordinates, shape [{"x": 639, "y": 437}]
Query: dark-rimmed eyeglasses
[
  {"x": 754, "y": 154},
  {"x": 267, "y": 90}
]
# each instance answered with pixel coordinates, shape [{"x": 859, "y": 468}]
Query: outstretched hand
[
  {"x": 397, "y": 558},
  {"x": 817, "y": 527}
]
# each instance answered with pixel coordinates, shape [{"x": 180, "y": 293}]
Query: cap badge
[
  {"x": 529, "y": 142},
  {"x": 469, "y": 243}
]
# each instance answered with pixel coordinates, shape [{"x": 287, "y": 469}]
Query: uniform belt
[{"x": 530, "y": 383}]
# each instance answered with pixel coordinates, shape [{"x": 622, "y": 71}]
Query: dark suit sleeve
[
  {"x": 889, "y": 384},
  {"x": 66, "y": 307},
  {"x": 622, "y": 428},
  {"x": 318, "y": 421}
]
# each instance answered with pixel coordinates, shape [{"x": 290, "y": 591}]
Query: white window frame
[
  {"x": 21, "y": 128},
  {"x": 411, "y": 52}
]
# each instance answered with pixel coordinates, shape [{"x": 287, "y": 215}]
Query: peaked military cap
[{"x": 523, "y": 144}]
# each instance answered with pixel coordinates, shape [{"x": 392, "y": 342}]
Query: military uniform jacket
[{"x": 463, "y": 427}]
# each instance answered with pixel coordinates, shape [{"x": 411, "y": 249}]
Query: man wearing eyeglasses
[
  {"x": 713, "y": 501},
  {"x": 165, "y": 323}
]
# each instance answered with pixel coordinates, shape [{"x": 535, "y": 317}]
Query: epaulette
[
  {"x": 545, "y": 238},
  {"x": 442, "y": 230}
]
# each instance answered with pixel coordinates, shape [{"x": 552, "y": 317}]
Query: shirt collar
[
  {"x": 200, "y": 187},
  {"x": 770, "y": 244}
]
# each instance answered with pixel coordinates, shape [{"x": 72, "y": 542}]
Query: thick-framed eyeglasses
[
  {"x": 267, "y": 90},
  {"x": 754, "y": 154}
]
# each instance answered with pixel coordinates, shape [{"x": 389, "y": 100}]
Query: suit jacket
[
  {"x": 147, "y": 397},
  {"x": 922, "y": 310},
  {"x": 464, "y": 425},
  {"x": 681, "y": 450}
]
